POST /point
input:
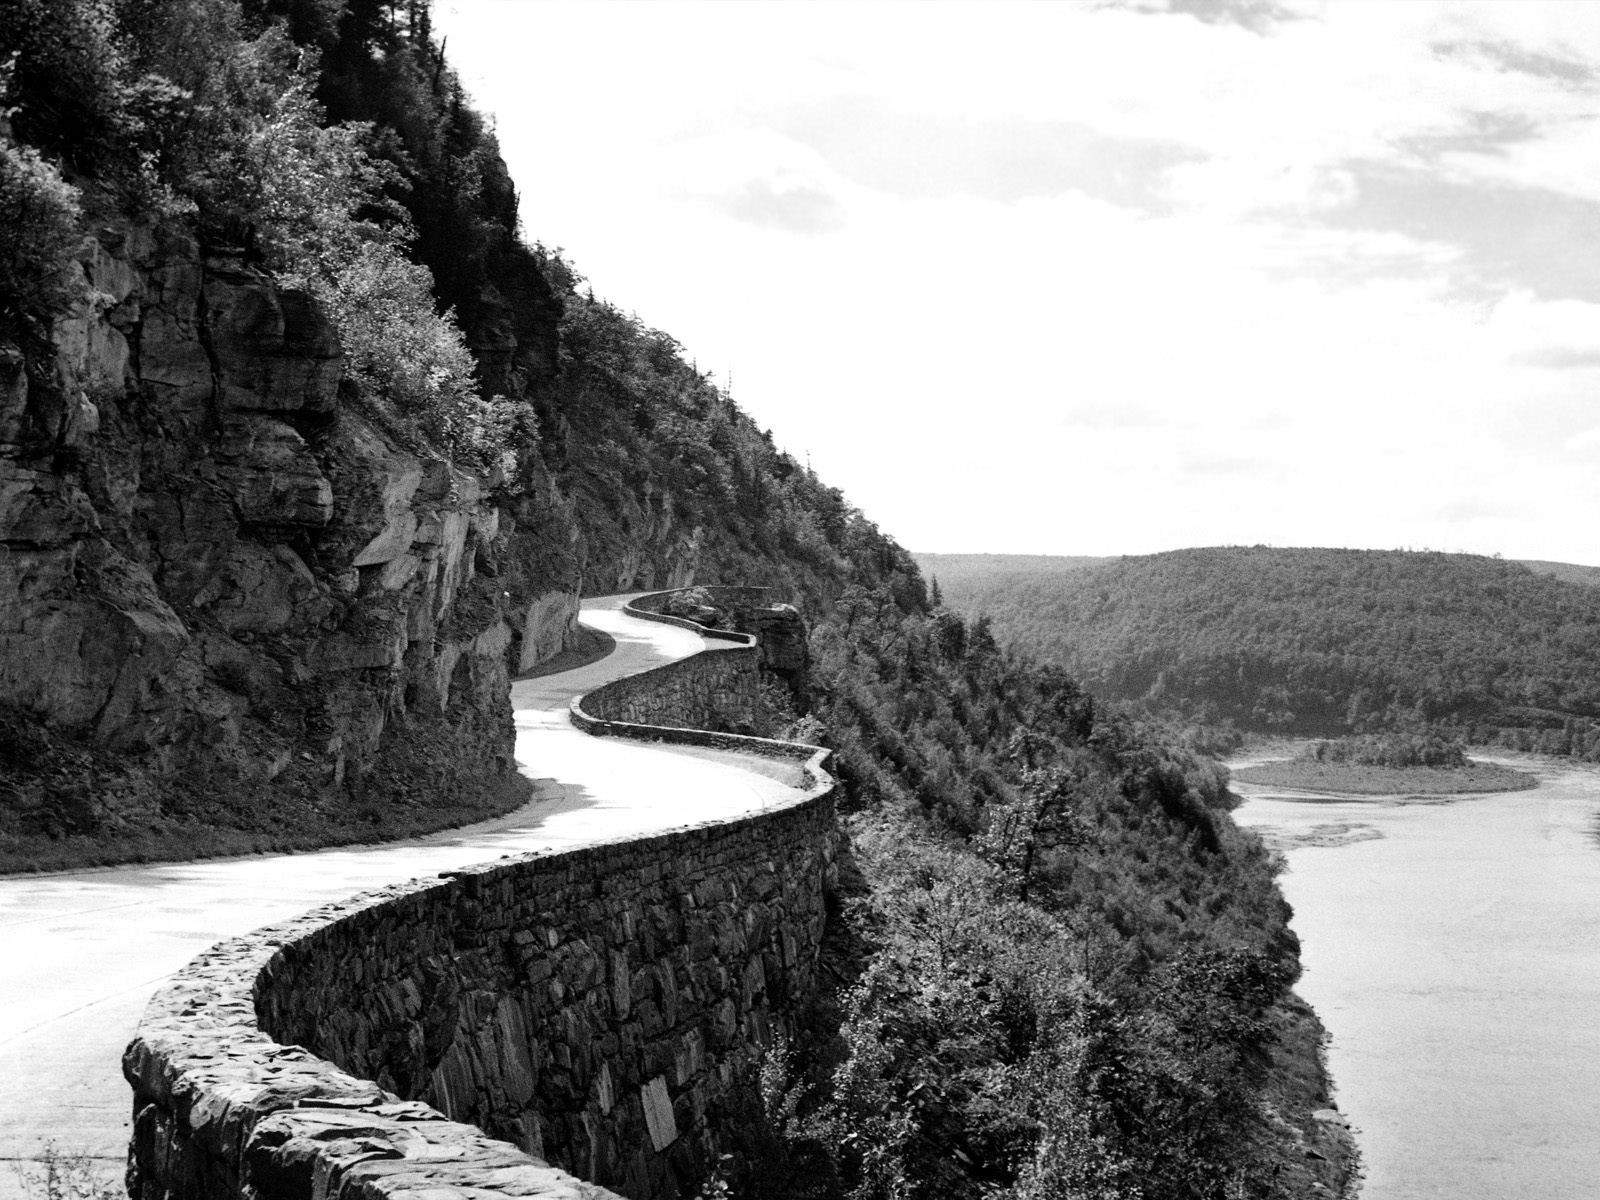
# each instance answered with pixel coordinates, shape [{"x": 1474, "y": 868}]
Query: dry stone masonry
[
  {"x": 717, "y": 690},
  {"x": 599, "y": 1008}
]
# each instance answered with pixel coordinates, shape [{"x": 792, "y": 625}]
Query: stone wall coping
[
  {"x": 646, "y": 608},
  {"x": 253, "y": 1104}
]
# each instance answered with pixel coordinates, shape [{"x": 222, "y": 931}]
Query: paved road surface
[{"x": 81, "y": 953}]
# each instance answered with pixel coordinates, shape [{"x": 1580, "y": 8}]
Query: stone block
[
  {"x": 274, "y": 349},
  {"x": 621, "y": 985},
  {"x": 658, "y": 1114},
  {"x": 271, "y": 475}
]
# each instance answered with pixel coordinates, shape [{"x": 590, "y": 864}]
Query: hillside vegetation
[
  {"x": 1321, "y": 641},
  {"x": 1066, "y": 969}
]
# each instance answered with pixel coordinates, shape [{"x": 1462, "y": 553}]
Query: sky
[{"x": 1100, "y": 278}]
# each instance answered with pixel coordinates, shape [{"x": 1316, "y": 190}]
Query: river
[{"x": 1452, "y": 948}]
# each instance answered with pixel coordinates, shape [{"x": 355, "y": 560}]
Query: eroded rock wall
[{"x": 227, "y": 595}]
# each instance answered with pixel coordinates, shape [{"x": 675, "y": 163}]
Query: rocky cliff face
[
  {"x": 221, "y": 584},
  {"x": 236, "y": 613}
]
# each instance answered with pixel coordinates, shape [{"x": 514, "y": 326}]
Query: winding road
[{"x": 83, "y": 951}]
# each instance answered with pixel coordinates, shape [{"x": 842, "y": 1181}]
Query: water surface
[{"x": 1453, "y": 951}]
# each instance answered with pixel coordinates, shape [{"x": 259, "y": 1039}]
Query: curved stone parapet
[{"x": 598, "y": 1007}]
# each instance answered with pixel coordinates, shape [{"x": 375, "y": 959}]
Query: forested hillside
[
  {"x": 305, "y": 450},
  {"x": 1067, "y": 970},
  {"x": 962, "y": 578},
  {"x": 1322, "y": 641}
]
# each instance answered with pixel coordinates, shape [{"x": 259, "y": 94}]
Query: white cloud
[{"x": 1243, "y": 370}]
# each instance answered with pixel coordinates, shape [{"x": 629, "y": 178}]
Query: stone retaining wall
[
  {"x": 742, "y": 603},
  {"x": 780, "y": 634},
  {"x": 598, "y": 1007},
  {"x": 717, "y": 690}
]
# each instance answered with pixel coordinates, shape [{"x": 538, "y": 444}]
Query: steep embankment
[{"x": 1323, "y": 641}]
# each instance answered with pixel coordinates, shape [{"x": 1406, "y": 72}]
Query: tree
[{"x": 1040, "y": 817}]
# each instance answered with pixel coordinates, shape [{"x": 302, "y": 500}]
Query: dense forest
[
  {"x": 1320, "y": 641},
  {"x": 1062, "y": 970}
]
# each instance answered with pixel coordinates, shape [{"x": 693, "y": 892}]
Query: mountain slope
[
  {"x": 1325, "y": 641},
  {"x": 1570, "y": 572}
]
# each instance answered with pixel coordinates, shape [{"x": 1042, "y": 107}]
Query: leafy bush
[
  {"x": 398, "y": 348},
  {"x": 310, "y": 195},
  {"x": 37, "y": 239},
  {"x": 67, "y": 84}
]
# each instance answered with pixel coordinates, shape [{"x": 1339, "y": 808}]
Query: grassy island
[
  {"x": 1363, "y": 780},
  {"x": 1391, "y": 764}
]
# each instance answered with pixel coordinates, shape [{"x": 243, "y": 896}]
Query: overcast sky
[{"x": 1101, "y": 279}]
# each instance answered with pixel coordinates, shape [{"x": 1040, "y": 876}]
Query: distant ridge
[
  {"x": 1569, "y": 572},
  {"x": 964, "y": 568},
  {"x": 968, "y": 565},
  {"x": 1313, "y": 641}
]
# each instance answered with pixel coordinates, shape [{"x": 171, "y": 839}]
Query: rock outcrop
[{"x": 223, "y": 584}]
